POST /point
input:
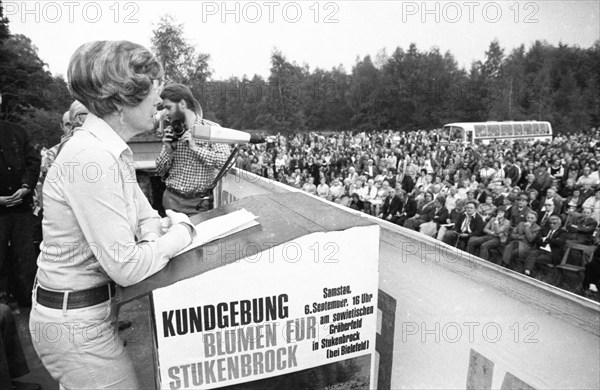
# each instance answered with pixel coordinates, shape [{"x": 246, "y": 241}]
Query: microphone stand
[{"x": 224, "y": 169}]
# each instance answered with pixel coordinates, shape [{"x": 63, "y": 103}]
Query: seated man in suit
[
  {"x": 552, "y": 241},
  {"x": 554, "y": 197},
  {"x": 440, "y": 216},
  {"x": 581, "y": 230},
  {"x": 391, "y": 205},
  {"x": 469, "y": 225},
  {"x": 453, "y": 216},
  {"x": 548, "y": 209},
  {"x": 425, "y": 212},
  {"x": 408, "y": 209}
]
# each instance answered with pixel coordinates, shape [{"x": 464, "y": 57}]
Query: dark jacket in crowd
[
  {"x": 441, "y": 216},
  {"x": 477, "y": 224},
  {"x": 19, "y": 164},
  {"x": 557, "y": 242},
  {"x": 391, "y": 205},
  {"x": 408, "y": 184}
]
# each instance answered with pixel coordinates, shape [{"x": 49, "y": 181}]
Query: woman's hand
[{"x": 175, "y": 218}]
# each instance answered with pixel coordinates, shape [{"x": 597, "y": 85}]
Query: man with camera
[{"x": 188, "y": 166}]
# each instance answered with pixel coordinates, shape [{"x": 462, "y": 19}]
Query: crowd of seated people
[{"x": 508, "y": 202}]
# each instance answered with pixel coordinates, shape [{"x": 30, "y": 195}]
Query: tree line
[
  {"x": 405, "y": 90},
  {"x": 415, "y": 89}
]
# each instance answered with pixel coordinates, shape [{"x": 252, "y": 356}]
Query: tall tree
[
  {"x": 178, "y": 57},
  {"x": 364, "y": 96},
  {"x": 4, "y": 31},
  {"x": 286, "y": 93}
]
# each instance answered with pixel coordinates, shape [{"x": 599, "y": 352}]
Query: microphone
[{"x": 224, "y": 135}]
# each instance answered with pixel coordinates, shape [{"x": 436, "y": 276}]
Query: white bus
[{"x": 484, "y": 132}]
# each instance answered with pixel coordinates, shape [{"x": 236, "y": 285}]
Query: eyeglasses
[{"x": 81, "y": 116}]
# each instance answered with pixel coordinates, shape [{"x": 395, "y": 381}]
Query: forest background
[{"x": 408, "y": 89}]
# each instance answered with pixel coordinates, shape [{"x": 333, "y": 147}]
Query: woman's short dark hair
[{"x": 104, "y": 74}]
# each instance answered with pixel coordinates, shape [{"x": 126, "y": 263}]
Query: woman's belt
[{"x": 75, "y": 299}]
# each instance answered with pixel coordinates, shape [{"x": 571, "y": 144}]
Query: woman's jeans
[{"x": 81, "y": 348}]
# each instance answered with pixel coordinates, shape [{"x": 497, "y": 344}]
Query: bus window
[
  {"x": 544, "y": 129},
  {"x": 535, "y": 128},
  {"x": 457, "y": 133},
  {"x": 469, "y": 139},
  {"x": 494, "y": 130},
  {"x": 527, "y": 128},
  {"x": 506, "y": 129},
  {"x": 481, "y": 130},
  {"x": 518, "y": 129}
]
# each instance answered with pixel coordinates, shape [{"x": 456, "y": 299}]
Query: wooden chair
[
  {"x": 586, "y": 255},
  {"x": 587, "y": 252}
]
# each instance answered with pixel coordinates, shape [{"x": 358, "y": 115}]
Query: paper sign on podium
[{"x": 302, "y": 311}]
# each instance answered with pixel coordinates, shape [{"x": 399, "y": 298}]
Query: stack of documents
[{"x": 220, "y": 227}]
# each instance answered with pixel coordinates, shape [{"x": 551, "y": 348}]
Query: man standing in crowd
[
  {"x": 19, "y": 171},
  {"x": 187, "y": 166}
]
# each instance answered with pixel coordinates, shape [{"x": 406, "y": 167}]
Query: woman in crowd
[
  {"x": 323, "y": 187},
  {"x": 114, "y": 235},
  {"x": 310, "y": 186},
  {"x": 422, "y": 180},
  {"x": 499, "y": 172},
  {"x": 487, "y": 209},
  {"x": 336, "y": 190},
  {"x": 575, "y": 198}
]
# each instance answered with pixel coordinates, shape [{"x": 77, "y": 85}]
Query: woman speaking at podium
[{"x": 99, "y": 229}]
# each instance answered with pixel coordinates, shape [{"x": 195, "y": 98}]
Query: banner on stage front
[{"x": 300, "y": 312}]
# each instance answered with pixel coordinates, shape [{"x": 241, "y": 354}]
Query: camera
[{"x": 178, "y": 127}]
